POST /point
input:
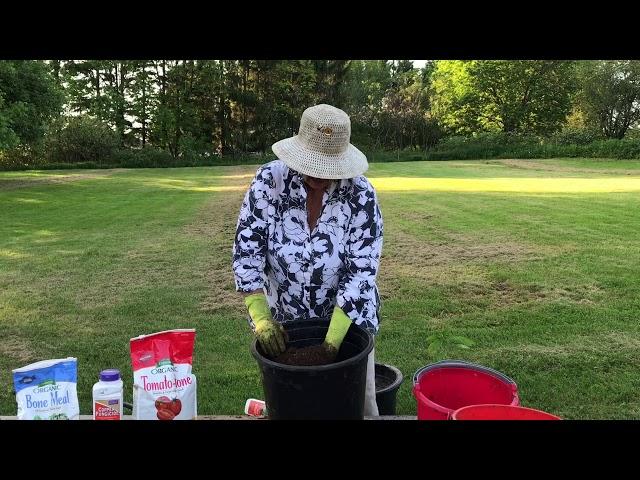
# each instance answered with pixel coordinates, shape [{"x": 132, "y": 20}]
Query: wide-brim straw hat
[{"x": 322, "y": 147}]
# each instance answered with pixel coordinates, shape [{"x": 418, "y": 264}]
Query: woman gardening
[{"x": 309, "y": 239}]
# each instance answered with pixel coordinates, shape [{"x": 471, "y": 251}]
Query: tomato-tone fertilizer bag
[{"x": 163, "y": 386}]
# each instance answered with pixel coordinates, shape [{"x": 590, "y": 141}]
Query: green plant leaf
[
  {"x": 433, "y": 338},
  {"x": 459, "y": 340},
  {"x": 433, "y": 349}
]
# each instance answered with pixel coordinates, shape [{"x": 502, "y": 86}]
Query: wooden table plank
[{"x": 237, "y": 417}]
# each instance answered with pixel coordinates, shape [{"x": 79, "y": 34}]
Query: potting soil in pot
[{"x": 307, "y": 356}]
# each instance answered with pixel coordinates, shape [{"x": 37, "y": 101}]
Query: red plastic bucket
[
  {"x": 500, "y": 412},
  {"x": 444, "y": 387}
]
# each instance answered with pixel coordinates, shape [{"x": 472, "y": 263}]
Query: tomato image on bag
[{"x": 163, "y": 386}]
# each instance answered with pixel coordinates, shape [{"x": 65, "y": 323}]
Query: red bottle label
[
  {"x": 256, "y": 408},
  {"x": 107, "y": 410}
]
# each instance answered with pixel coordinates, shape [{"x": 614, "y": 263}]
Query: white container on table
[{"x": 108, "y": 396}]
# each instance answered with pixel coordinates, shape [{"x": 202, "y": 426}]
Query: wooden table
[{"x": 237, "y": 417}]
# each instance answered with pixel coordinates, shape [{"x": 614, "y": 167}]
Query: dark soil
[{"x": 306, "y": 356}]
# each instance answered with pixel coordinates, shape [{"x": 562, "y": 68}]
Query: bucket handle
[
  {"x": 462, "y": 363},
  {"x": 418, "y": 394}
]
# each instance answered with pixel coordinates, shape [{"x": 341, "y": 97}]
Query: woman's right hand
[{"x": 271, "y": 335}]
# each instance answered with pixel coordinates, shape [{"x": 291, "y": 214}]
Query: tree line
[{"x": 213, "y": 108}]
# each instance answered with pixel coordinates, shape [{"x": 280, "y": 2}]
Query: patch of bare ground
[
  {"x": 578, "y": 345},
  {"x": 216, "y": 222},
  {"x": 501, "y": 294},
  {"x": 16, "y": 348},
  {"x": 405, "y": 253},
  {"x": 10, "y": 184},
  {"x": 536, "y": 165},
  {"x": 457, "y": 264}
]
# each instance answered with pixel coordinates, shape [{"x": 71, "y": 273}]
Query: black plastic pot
[
  {"x": 388, "y": 381},
  {"x": 334, "y": 391}
]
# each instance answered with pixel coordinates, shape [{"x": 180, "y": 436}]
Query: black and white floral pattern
[{"x": 305, "y": 273}]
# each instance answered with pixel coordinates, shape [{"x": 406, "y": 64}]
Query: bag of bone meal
[
  {"x": 47, "y": 390},
  {"x": 163, "y": 386}
]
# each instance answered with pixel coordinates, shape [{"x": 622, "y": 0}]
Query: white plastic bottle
[{"x": 108, "y": 396}]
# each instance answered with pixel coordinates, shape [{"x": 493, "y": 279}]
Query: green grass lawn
[{"x": 536, "y": 263}]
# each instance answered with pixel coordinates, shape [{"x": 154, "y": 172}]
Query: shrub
[
  {"x": 612, "y": 148},
  {"x": 80, "y": 139},
  {"x": 569, "y": 143},
  {"x": 23, "y": 157},
  {"x": 148, "y": 157},
  {"x": 575, "y": 136},
  {"x": 486, "y": 145}
]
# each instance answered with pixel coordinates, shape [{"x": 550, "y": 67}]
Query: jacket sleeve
[
  {"x": 357, "y": 291},
  {"x": 251, "y": 238}
]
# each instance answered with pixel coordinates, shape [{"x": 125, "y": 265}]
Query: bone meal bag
[
  {"x": 47, "y": 390},
  {"x": 163, "y": 386}
]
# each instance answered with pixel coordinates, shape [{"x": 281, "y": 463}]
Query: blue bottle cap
[{"x": 110, "y": 375}]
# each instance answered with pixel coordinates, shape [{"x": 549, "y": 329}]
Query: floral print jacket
[{"x": 304, "y": 273}]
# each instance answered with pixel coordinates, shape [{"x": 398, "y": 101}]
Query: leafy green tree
[
  {"x": 405, "y": 116},
  {"x": 208, "y": 99},
  {"x": 8, "y": 138},
  {"x": 204, "y": 107},
  {"x": 282, "y": 90},
  {"x": 365, "y": 87},
  {"x": 243, "y": 102},
  {"x": 162, "y": 119},
  {"x": 84, "y": 85},
  {"x": 610, "y": 95},
  {"x": 454, "y": 99},
  {"x": 530, "y": 96},
  {"x": 329, "y": 75},
  {"x": 142, "y": 98},
  {"x": 174, "y": 119},
  {"x": 118, "y": 78},
  {"x": 29, "y": 99},
  {"x": 102, "y": 89}
]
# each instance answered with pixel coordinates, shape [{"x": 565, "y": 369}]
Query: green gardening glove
[
  {"x": 338, "y": 328},
  {"x": 271, "y": 335}
]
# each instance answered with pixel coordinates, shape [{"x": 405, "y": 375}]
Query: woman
[{"x": 309, "y": 238}]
